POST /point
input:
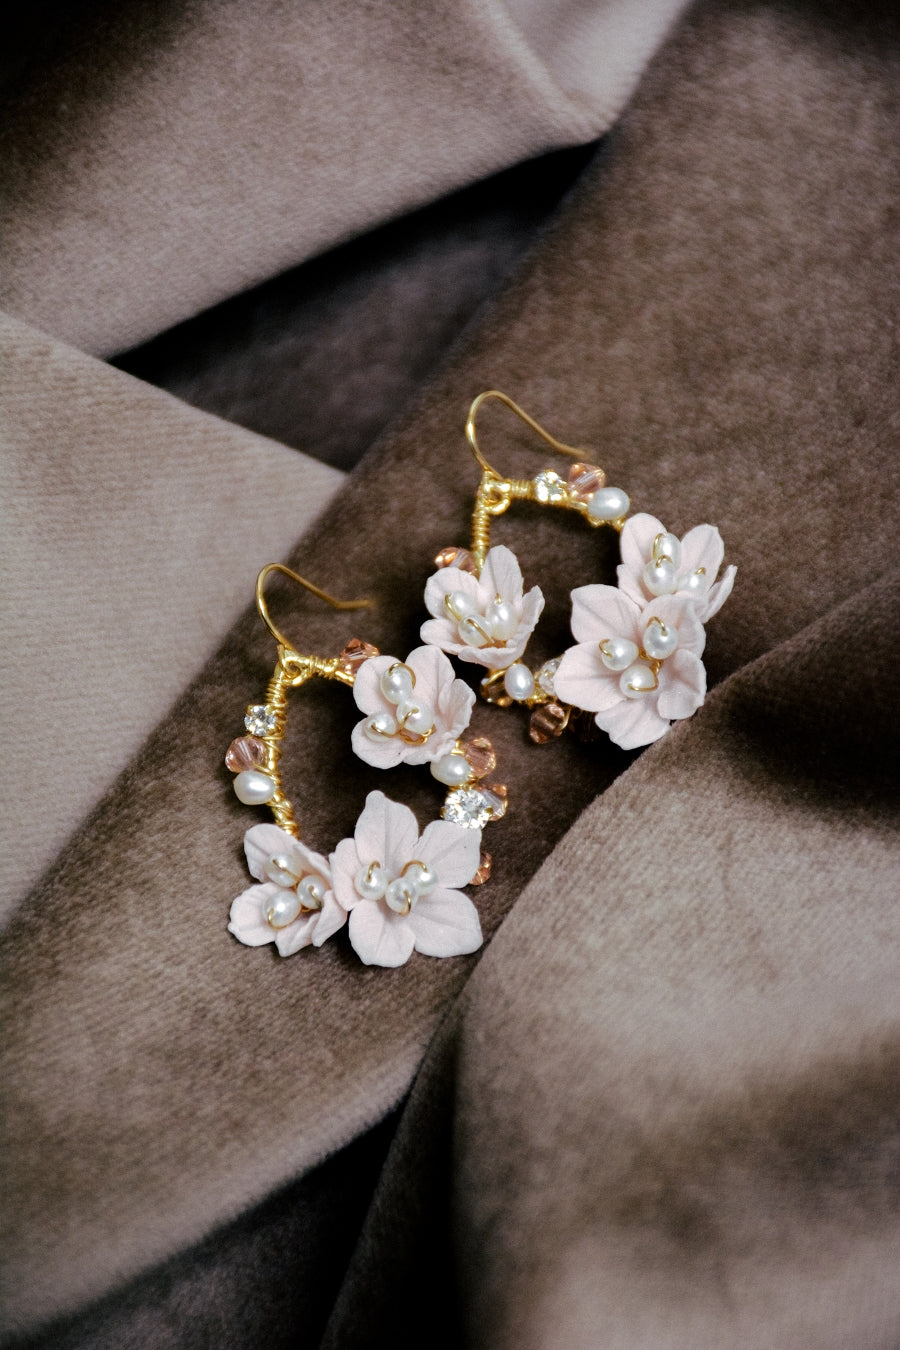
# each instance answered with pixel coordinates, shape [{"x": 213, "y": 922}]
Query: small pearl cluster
[
  {"x": 492, "y": 627},
  {"x": 661, "y": 574},
  {"x": 400, "y": 894},
  {"x": 414, "y": 719},
  {"x": 299, "y": 892},
  {"x": 640, "y": 666}
]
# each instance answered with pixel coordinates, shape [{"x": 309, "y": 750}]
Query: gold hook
[
  {"x": 315, "y": 590},
  {"x": 520, "y": 412}
]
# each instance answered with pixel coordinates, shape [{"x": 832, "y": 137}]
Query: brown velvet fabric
[{"x": 665, "y": 1106}]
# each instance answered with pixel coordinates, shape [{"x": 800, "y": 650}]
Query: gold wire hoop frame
[
  {"x": 267, "y": 722},
  {"x": 496, "y": 492}
]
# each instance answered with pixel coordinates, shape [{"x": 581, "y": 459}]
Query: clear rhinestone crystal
[
  {"x": 549, "y": 487},
  {"x": 467, "y": 806},
  {"x": 546, "y": 674},
  {"x": 260, "y": 720}
]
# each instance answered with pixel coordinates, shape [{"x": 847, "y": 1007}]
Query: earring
[
  {"x": 636, "y": 666},
  {"x": 398, "y": 889}
]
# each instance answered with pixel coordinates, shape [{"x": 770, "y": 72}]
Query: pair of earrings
[{"x": 635, "y": 667}]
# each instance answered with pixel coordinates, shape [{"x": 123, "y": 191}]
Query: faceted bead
[
  {"x": 260, "y": 720},
  {"x": 456, "y": 557},
  {"x": 353, "y": 655},
  {"x": 247, "y": 752},
  {"x": 484, "y": 871},
  {"x": 547, "y": 722},
  {"x": 549, "y": 487},
  {"x": 496, "y": 796},
  {"x": 584, "y": 480},
  {"x": 468, "y": 807},
  {"x": 547, "y": 674},
  {"x": 481, "y": 755}
]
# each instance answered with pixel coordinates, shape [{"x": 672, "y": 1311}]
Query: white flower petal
[
  {"x": 501, "y": 575},
  {"x": 453, "y": 851},
  {"x": 331, "y": 917},
  {"x": 378, "y": 938},
  {"x": 715, "y": 598},
  {"x": 246, "y": 920},
  {"x": 682, "y": 685},
  {"x": 385, "y": 753},
  {"x": 582, "y": 679},
  {"x": 433, "y": 673},
  {"x": 445, "y": 580},
  {"x": 441, "y": 633},
  {"x": 445, "y": 923},
  {"x": 702, "y": 547},
  {"x": 632, "y": 723},
  {"x": 296, "y": 935},
  {"x": 600, "y": 612},
  {"x": 367, "y": 685},
  {"x": 345, "y": 865},
  {"x": 386, "y": 832},
  {"x": 261, "y": 842}
]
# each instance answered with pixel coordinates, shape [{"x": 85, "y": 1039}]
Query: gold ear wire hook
[
  {"x": 472, "y": 438},
  {"x": 307, "y": 585}
]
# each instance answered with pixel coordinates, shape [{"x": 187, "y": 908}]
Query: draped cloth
[{"x": 661, "y": 1109}]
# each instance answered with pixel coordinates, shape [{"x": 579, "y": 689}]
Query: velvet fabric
[{"x": 662, "y": 1108}]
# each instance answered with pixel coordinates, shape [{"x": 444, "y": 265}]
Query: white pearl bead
[
  {"x": 695, "y": 583},
  {"x": 401, "y": 895},
  {"x": 280, "y": 869},
  {"x": 416, "y": 718},
  {"x": 617, "y": 653},
  {"x": 660, "y": 639},
  {"x": 660, "y": 576},
  {"x": 397, "y": 683},
  {"x": 453, "y": 770},
  {"x": 253, "y": 787},
  {"x": 371, "y": 881},
  {"x": 608, "y": 503},
  {"x": 667, "y": 545},
  {"x": 459, "y": 605},
  {"x": 519, "y": 682},
  {"x": 282, "y": 909},
  {"x": 501, "y": 620},
  {"x": 311, "y": 893},
  {"x": 424, "y": 878},
  {"x": 380, "y": 726},
  {"x": 637, "y": 680},
  {"x": 473, "y": 632}
]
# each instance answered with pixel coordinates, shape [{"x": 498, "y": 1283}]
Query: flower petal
[
  {"x": 501, "y": 575},
  {"x": 636, "y": 546},
  {"x": 432, "y": 670},
  {"x": 445, "y": 580},
  {"x": 682, "y": 685},
  {"x": 582, "y": 679},
  {"x": 632, "y": 723},
  {"x": 385, "y": 753},
  {"x": 261, "y": 842},
  {"x": 386, "y": 832},
  {"x": 452, "y": 850},
  {"x": 331, "y": 917},
  {"x": 600, "y": 612},
  {"x": 716, "y": 596},
  {"x": 367, "y": 685},
  {"x": 296, "y": 935},
  {"x": 445, "y": 923},
  {"x": 702, "y": 547},
  {"x": 441, "y": 633},
  {"x": 378, "y": 938},
  {"x": 246, "y": 920},
  {"x": 345, "y": 864},
  {"x": 454, "y": 706}
]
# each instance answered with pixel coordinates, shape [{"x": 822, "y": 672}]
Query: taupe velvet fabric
[
  {"x": 664, "y": 1111},
  {"x": 173, "y": 154}
]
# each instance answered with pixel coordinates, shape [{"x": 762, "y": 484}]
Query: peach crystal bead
[
  {"x": 547, "y": 722},
  {"x": 247, "y": 752},
  {"x": 353, "y": 655},
  {"x": 584, "y": 480},
  {"x": 456, "y": 557},
  {"x": 481, "y": 756},
  {"x": 484, "y": 871}
]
